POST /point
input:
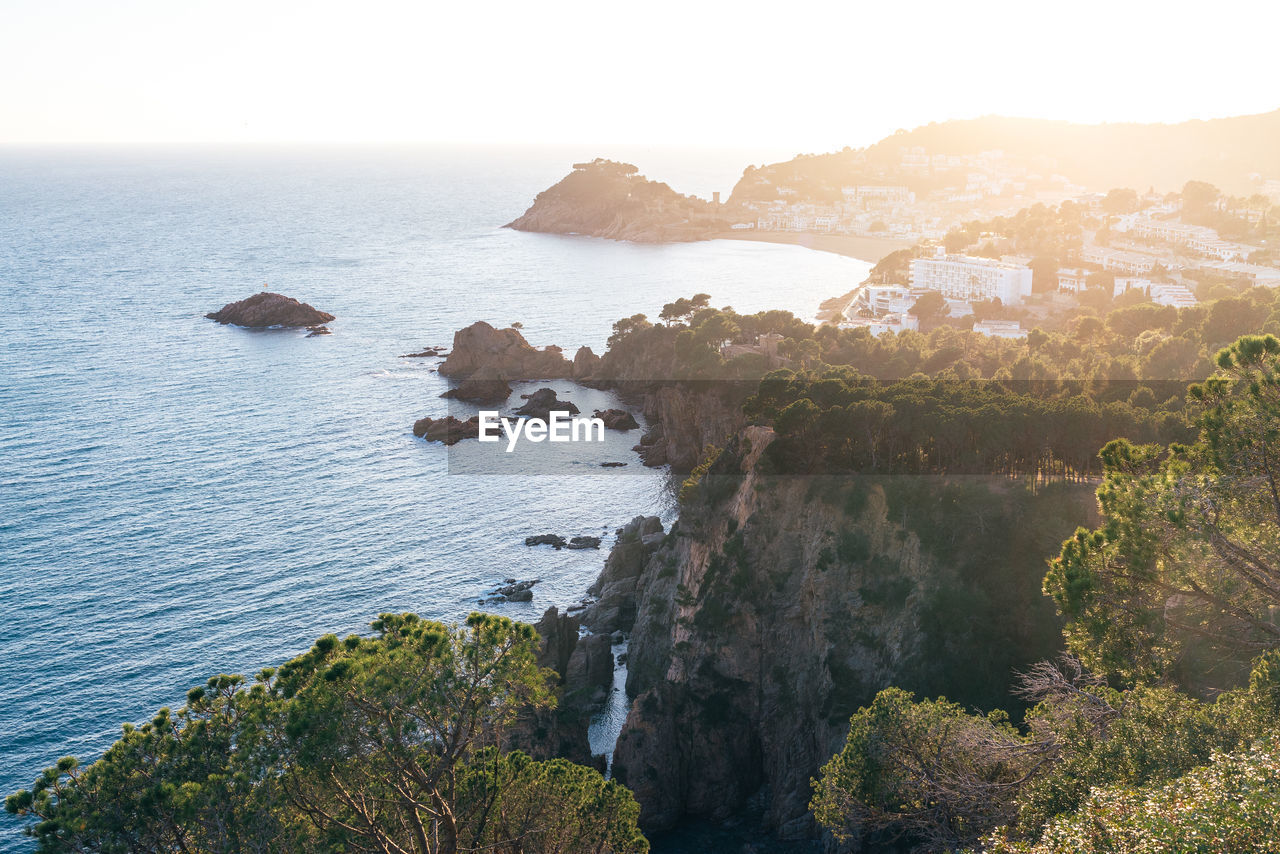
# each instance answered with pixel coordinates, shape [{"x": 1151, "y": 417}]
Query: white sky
[{"x": 803, "y": 75}]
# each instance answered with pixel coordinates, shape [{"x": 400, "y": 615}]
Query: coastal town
[
  {"x": 1008, "y": 248},
  {"x": 999, "y": 243}
]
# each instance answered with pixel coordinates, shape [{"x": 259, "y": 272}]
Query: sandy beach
[{"x": 869, "y": 249}]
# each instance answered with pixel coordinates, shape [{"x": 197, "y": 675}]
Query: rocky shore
[
  {"x": 683, "y": 417},
  {"x": 267, "y": 309}
]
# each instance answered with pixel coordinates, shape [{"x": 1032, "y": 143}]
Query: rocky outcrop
[
  {"x": 584, "y": 669},
  {"x": 777, "y": 606},
  {"x": 266, "y": 309},
  {"x": 448, "y": 430},
  {"x": 483, "y": 386},
  {"x": 615, "y": 588},
  {"x": 585, "y": 365},
  {"x": 617, "y": 419},
  {"x": 604, "y": 198},
  {"x": 541, "y": 403},
  {"x": 504, "y": 353},
  {"x": 558, "y": 542},
  {"x": 684, "y": 419},
  {"x": 512, "y": 590}
]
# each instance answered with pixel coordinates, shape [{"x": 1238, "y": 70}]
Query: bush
[{"x": 1231, "y": 805}]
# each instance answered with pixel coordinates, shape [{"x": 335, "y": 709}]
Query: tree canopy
[{"x": 398, "y": 742}]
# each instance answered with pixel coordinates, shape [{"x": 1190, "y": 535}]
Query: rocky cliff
[
  {"x": 502, "y": 354},
  {"x": 584, "y": 667},
  {"x": 604, "y": 198},
  {"x": 778, "y": 605}
]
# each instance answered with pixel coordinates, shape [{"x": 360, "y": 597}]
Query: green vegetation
[
  {"x": 1183, "y": 577},
  {"x": 1172, "y": 599},
  {"x": 1161, "y": 347},
  {"x": 836, "y": 421},
  {"x": 393, "y": 743},
  {"x": 1231, "y": 804}
]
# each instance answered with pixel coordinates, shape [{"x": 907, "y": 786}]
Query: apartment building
[{"x": 965, "y": 277}]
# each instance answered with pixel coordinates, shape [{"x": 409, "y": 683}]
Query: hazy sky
[{"x": 810, "y": 76}]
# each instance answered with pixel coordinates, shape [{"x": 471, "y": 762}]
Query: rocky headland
[
  {"x": 266, "y": 309},
  {"x": 604, "y": 198}
]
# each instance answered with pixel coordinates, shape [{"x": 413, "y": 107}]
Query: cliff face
[
  {"x": 779, "y": 605},
  {"x": 584, "y": 667},
  {"x": 608, "y": 199},
  {"x": 685, "y": 419}
]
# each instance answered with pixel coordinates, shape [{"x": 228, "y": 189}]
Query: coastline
[{"x": 869, "y": 249}]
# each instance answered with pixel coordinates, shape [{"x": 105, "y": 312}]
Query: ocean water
[{"x": 179, "y": 499}]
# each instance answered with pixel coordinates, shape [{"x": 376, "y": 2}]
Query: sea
[{"x": 180, "y": 499}]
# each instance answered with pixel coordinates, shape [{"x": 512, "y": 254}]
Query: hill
[
  {"x": 605, "y": 198},
  {"x": 1236, "y": 154}
]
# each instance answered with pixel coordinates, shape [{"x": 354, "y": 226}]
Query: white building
[
  {"x": 889, "y": 299},
  {"x": 1117, "y": 259},
  {"x": 1178, "y": 296},
  {"x": 894, "y": 323},
  {"x": 1267, "y": 277},
  {"x": 1198, "y": 238},
  {"x": 1073, "y": 280},
  {"x": 966, "y": 277},
  {"x": 873, "y": 194},
  {"x": 1000, "y": 329}
]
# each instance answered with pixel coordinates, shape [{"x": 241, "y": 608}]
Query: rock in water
[
  {"x": 484, "y": 386},
  {"x": 505, "y": 353},
  {"x": 268, "y": 309},
  {"x": 545, "y": 540},
  {"x": 617, "y": 419},
  {"x": 513, "y": 591},
  {"x": 425, "y": 353},
  {"x": 448, "y": 430},
  {"x": 542, "y": 403}
]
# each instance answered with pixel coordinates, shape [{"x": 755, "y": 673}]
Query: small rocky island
[
  {"x": 267, "y": 309},
  {"x": 605, "y": 198}
]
